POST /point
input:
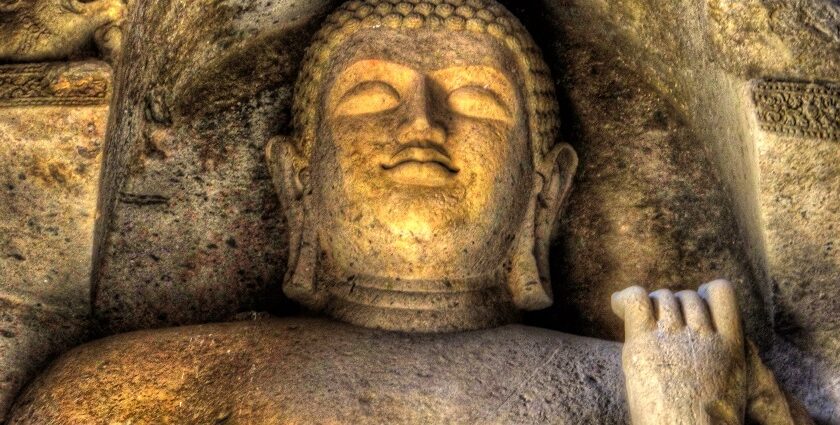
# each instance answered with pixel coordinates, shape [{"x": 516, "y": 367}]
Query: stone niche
[
  {"x": 708, "y": 144},
  {"x": 52, "y": 128}
]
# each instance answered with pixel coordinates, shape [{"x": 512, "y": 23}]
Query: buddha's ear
[
  {"x": 529, "y": 279},
  {"x": 286, "y": 166},
  {"x": 288, "y": 169},
  {"x": 290, "y": 173},
  {"x": 557, "y": 173}
]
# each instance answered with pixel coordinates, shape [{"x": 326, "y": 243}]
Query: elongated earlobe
[
  {"x": 289, "y": 171},
  {"x": 529, "y": 278},
  {"x": 527, "y": 287},
  {"x": 300, "y": 281}
]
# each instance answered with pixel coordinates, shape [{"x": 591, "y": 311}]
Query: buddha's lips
[{"x": 421, "y": 156}]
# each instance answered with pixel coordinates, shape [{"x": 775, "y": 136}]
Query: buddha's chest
[
  {"x": 399, "y": 398},
  {"x": 513, "y": 376},
  {"x": 434, "y": 400},
  {"x": 305, "y": 371}
]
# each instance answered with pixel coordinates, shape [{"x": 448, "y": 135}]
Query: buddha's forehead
[{"x": 425, "y": 50}]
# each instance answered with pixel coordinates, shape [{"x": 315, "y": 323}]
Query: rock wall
[
  {"x": 651, "y": 205},
  {"x": 754, "y": 83},
  {"x": 190, "y": 230}
]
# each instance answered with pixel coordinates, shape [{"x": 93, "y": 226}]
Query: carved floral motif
[
  {"x": 799, "y": 109},
  {"x": 53, "y": 85}
]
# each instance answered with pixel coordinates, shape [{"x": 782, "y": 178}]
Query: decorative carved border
[
  {"x": 54, "y": 84},
  {"x": 799, "y": 109}
]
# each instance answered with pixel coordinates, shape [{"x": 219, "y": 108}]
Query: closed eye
[
  {"x": 368, "y": 97},
  {"x": 478, "y": 102}
]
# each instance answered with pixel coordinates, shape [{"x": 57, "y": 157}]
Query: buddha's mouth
[
  {"x": 421, "y": 155},
  {"x": 425, "y": 166}
]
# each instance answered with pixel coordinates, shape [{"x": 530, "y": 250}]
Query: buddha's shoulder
[
  {"x": 137, "y": 377},
  {"x": 279, "y": 370}
]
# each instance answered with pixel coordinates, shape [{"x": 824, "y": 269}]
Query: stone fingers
[
  {"x": 713, "y": 308},
  {"x": 634, "y": 307},
  {"x": 695, "y": 312},
  {"x": 723, "y": 306},
  {"x": 667, "y": 310}
]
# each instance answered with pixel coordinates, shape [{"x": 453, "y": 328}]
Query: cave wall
[
  {"x": 190, "y": 230},
  {"x": 755, "y": 85}
]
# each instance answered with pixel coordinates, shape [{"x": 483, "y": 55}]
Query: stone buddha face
[
  {"x": 423, "y": 187},
  {"x": 423, "y": 156}
]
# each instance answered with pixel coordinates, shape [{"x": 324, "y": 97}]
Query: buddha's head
[{"x": 423, "y": 182}]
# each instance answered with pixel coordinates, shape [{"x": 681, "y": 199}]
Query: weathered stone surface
[
  {"x": 651, "y": 204},
  {"x": 52, "y": 128},
  {"x": 51, "y": 159},
  {"x": 720, "y": 255},
  {"x": 512, "y": 374},
  {"x": 662, "y": 111},
  {"x": 331, "y": 372},
  {"x": 705, "y": 70},
  {"x": 50, "y": 30},
  {"x": 30, "y": 335},
  {"x": 800, "y": 182},
  {"x": 811, "y": 378},
  {"x": 190, "y": 229}
]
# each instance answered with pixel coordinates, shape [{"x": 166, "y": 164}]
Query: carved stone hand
[{"x": 684, "y": 356}]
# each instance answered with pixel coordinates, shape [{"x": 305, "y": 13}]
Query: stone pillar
[
  {"x": 52, "y": 128},
  {"x": 799, "y": 162},
  {"x": 798, "y": 124}
]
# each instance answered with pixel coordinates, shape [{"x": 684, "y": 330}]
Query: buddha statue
[{"x": 422, "y": 186}]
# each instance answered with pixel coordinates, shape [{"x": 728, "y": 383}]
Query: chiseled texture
[
  {"x": 176, "y": 165},
  {"x": 639, "y": 90},
  {"x": 648, "y": 205},
  {"x": 190, "y": 230},
  {"x": 704, "y": 61},
  {"x": 52, "y": 128},
  {"x": 319, "y": 371},
  {"x": 51, "y": 156},
  {"x": 30, "y": 336}
]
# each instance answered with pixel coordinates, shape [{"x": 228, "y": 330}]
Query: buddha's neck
[{"x": 419, "y": 305}]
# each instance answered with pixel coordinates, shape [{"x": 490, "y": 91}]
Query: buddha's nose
[{"x": 423, "y": 124}]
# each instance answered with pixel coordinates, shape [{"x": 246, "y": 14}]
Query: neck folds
[{"x": 418, "y": 305}]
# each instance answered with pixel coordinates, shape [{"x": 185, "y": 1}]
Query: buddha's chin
[
  {"x": 412, "y": 237},
  {"x": 419, "y": 253}
]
